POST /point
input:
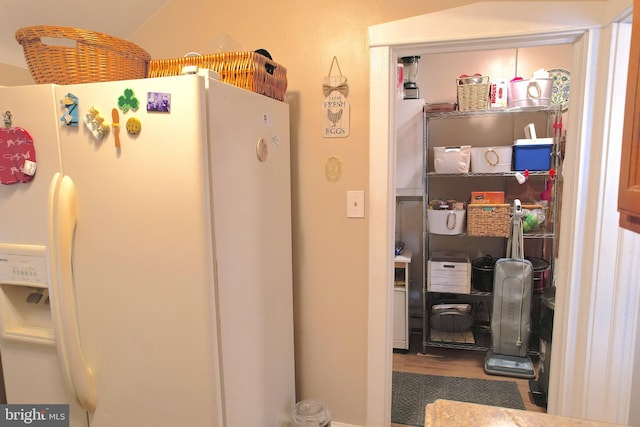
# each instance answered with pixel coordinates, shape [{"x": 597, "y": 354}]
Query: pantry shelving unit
[{"x": 457, "y": 186}]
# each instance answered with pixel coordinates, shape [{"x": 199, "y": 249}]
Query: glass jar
[{"x": 311, "y": 413}]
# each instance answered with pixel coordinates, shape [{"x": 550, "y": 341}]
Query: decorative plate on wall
[{"x": 560, "y": 88}]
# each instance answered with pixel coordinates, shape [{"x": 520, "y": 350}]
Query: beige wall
[{"x": 14, "y": 76}]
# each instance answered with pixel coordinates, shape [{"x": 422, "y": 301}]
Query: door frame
[{"x": 392, "y": 40}]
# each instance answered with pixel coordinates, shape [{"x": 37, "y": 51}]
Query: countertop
[{"x": 446, "y": 413}]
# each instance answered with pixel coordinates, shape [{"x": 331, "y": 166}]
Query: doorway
[{"x": 393, "y": 40}]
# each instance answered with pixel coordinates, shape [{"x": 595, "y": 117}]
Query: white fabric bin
[{"x": 452, "y": 159}]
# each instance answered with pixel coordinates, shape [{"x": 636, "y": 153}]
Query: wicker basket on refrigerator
[
  {"x": 248, "y": 70},
  {"x": 94, "y": 57}
]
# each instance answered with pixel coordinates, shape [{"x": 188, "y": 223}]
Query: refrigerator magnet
[
  {"x": 70, "y": 106},
  {"x": 7, "y": 118},
  {"x": 17, "y": 156},
  {"x": 128, "y": 101},
  {"x": 159, "y": 102},
  {"x": 134, "y": 126},
  {"x": 95, "y": 123}
]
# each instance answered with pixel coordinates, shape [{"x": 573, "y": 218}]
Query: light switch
[{"x": 355, "y": 204}]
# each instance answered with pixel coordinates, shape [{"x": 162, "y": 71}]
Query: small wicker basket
[
  {"x": 473, "y": 93},
  {"x": 488, "y": 220},
  {"x": 248, "y": 70},
  {"x": 96, "y": 57}
]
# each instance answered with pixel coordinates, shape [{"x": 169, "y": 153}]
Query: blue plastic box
[{"x": 533, "y": 157}]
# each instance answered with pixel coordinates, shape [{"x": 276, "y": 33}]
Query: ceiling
[{"x": 118, "y": 18}]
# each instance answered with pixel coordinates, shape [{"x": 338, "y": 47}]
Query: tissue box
[
  {"x": 533, "y": 157},
  {"x": 529, "y": 93},
  {"x": 449, "y": 272},
  {"x": 487, "y": 197}
]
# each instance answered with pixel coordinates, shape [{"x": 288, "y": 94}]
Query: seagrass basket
[
  {"x": 473, "y": 93},
  {"x": 95, "y": 57},
  {"x": 488, "y": 220},
  {"x": 248, "y": 70}
]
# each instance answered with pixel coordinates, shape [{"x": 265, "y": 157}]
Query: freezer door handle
[{"x": 62, "y": 224}]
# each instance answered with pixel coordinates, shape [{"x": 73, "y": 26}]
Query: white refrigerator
[{"x": 149, "y": 284}]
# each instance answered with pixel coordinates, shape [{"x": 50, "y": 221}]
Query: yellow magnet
[{"x": 134, "y": 126}]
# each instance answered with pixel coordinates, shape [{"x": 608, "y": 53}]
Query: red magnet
[{"x": 17, "y": 156}]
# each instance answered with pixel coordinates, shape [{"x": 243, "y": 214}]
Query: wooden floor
[{"x": 453, "y": 363}]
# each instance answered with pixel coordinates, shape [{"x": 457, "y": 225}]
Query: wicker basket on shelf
[
  {"x": 473, "y": 93},
  {"x": 96, "y": 57},
  {"x": 248, "y": 70},
  {"x": 488, "y": 220}
]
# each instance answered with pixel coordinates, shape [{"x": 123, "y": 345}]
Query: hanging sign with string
[{"x": 335, "y": 106}]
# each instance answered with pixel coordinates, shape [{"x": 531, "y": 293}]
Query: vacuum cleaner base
[{"x": 510, "y": 366}]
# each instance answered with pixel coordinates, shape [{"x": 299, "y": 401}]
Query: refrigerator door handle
[{"x": 62, "y": 224}]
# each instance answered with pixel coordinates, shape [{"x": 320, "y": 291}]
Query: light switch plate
[{"x": 355, "y": 204}]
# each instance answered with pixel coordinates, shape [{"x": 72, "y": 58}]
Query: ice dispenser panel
[{"x": 25, "y": 313}]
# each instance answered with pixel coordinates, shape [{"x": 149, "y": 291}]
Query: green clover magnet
[{"x": 128, "y": 101}]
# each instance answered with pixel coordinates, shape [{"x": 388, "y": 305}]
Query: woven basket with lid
[{"x": 96, "y": 57}]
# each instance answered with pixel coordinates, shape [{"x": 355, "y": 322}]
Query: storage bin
[
  {"x": 452, "y": 159},
  {"x": 529, "y": 93},
  {"x": 449, "y": 272},
  {"x": 473, "y": 93},
  {"x": 491, "y": 159},
  {"x": 248, "y": 70},
  {"x": 446, "y": 221},
  {"x": 488, "y": 220},
  {"x": 533, "y": 157}
]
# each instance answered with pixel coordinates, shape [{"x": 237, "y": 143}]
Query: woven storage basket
[
  {"x": 95, "y": 57},
  {"x": 248, "y": 70},
  {"x": 473, "y": 93},
  {"x": 488, "y": 220}
]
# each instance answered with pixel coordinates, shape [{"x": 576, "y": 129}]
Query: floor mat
[{"x": 412, "y": 392}]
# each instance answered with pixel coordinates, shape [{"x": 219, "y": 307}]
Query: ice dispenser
[{"x": 24, "y": 296}]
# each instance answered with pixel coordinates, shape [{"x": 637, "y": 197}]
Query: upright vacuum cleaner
[{"x": 512, "y": 292}]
